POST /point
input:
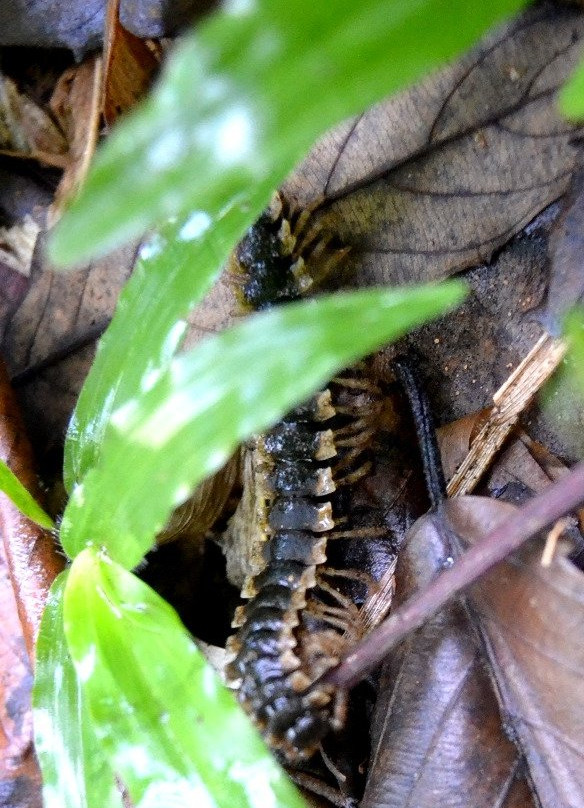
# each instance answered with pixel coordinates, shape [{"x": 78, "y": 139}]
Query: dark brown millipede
[{"x": 297, "y": 620}]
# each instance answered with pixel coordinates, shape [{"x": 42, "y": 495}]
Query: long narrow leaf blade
[
  {"x": 26, "y": 504},
  {"x": 244, "y": 97},
  {"x": 75, "y": 772},
  {"x": 171, "y": 729},
  {"x": 232, "y": 385},
  {"x": 174, "y": 270}
]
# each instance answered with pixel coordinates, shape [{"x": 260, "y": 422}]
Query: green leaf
[
  {"x": 243, "y": 98},
  {"x": 175, "y": 269},
  {"x": 163, "y": 443},
  {"x": 26, "y": 504},
  {"x": 571, "y": 99},
  {"x": 171, "y": 729},
  {"x": 574, "y": 331},
  {"x": 75, "y": 772}
]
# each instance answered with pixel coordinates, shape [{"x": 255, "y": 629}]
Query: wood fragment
[{"x": 510, "y": 401}]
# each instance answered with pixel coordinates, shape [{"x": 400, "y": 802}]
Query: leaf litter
[{"x": 462, "y": 173}]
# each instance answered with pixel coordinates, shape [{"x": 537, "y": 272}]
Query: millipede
[{"x": 297, "y": 484}]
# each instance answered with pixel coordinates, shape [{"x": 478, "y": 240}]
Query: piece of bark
[
  {"x": 510, "y": 401},
  {"x": 437, "y": 732}
]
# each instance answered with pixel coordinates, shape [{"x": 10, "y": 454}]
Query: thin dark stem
[
  {"x": 542, "y": 511},
  {"x": 425, "y": 429}
]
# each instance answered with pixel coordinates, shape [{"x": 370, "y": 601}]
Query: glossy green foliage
[
  {"x": 14, "y": 489},
  {"x": 174, "y": 270},
  {"x": 574, "y": 331},
  {"x": 231, "y": 385},
  {"x": 75, "y": 771},
  {"x": 571, "y": 98},
  {"x": 244, "y": 97},
  {"x": 171, "y": 730}
]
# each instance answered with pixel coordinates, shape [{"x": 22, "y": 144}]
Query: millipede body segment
[{"x": 296, "y": 621}]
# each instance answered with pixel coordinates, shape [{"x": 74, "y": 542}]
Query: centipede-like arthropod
[{"x": 298, "y": 479}]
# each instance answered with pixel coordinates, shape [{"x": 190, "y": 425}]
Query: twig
[
  {"x": 540, "y": 512},
  {"x": 510, "y": 401}
]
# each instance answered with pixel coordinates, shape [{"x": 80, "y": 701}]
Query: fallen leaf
[
  {"x": 437, "y": 732},
  {"x": 30, "y": 551},
  {"x": 26, "y": 130},
  {"x": 17, "y": 244},
  {"x": 20, "y": 778},
  {"x": 60, "y": 314},
  {"x": 531, "y": 618},
  {"x": 129, "y": 66},
  {"x": 435, "y": 179},
  {"x": 75, "y": 104}
]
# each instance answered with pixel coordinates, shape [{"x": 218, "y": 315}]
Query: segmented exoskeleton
[{"x": 296, "y": 498}]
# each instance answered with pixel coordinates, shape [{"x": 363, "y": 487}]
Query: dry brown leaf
[
  {"x": 61, "y": 310},
  {"x": 437, "y": 731},
  {"x": 129, "y": 66},
  {"x": 28, "y": 565},
  {"x": 531, "y": 619},
  {"x": 17, "y": 243},
  {"x": 26, "y": 130},
  {"x": 75, "y": 104},
  {"x": 20, "y": 779},
  {"x": 33, "y": 562},
  {"x": 437, "y": 178}
]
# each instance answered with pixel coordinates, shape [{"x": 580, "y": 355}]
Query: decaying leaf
[
  {"x": 31, "y": 556},
  {"x": 129, "y": 65},
  {"x": 17, "y": 243},
  {"x": 20, "y": 779},
  {"x": 27, "y": 130},
  {"x": 437, "y": 178},
  {"x": 437, "y": 731},
  {"x": 61, "y": 311},
  {"x": 75, "y": 104},
  {"x": 531, "y": 619}
]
